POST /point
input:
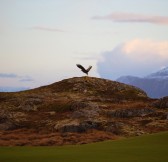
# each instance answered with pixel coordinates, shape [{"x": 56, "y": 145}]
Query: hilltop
[{"x": 78, "y": 110}]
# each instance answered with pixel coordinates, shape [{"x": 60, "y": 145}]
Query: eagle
[{"x": 83, "y": 69}]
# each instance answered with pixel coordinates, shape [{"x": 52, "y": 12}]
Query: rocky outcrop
[
  {"x": 86, "y": 110},
  {"x": 161, "y": 103},
  {"x": 11, "y": 120},
  {"x": 128, "y": 113},
  {"x": 98, "y": 87},
  {"x": 75, "y": 126},
  {"x": 6, "y": 122},
  {"x": 78, "y": 107}
]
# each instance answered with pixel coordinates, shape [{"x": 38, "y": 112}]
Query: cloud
[
  {"x": 137, "y": 57},
  {"x": 144, "y": 50},
  {"x": 132, "y": 18},
  {"x": 26, "y": 80},
  {"x": 22, "y": 78},
  {"x": 8, "y": 75},
  {"x": 42, "y": 28}
]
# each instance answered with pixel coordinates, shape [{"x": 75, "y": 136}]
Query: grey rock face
[
  {"x": 126, "y": 113},
  {"x": 161, "y": 103},
  {"x": 85, "y": 110},
  {"x": 75, "y": 126},
  {"x": 6, "y": 121}
]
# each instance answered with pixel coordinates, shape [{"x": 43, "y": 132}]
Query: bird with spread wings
[{"x": 86, "y": 71}]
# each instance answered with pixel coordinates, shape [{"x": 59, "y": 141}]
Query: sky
[{"x": 41, "y": 41}]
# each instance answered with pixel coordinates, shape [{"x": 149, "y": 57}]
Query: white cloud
[
  {"x": 145, "y": 50},
  {"x": 136, "y": 57},
  {"x": 133, "y": 17},
  {"x": 43, "y": 28}
]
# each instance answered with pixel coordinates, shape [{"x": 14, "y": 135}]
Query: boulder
[
  {"x": 161, "y": 103},
  {"x": 12, "y": 120},
  {"x": 86, "y": 110},
  {"x": 126, "y": 113},
  {"x": 75, "y": 126},
  {"x": 6, "y": 122}
]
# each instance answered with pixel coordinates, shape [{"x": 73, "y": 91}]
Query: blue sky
[{"x": 42, "y": 40}]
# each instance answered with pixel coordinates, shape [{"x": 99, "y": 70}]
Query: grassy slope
[{"x": 150, "y": 148}]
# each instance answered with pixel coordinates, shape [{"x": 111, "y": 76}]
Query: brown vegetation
[{"x": 78, "y": 111}]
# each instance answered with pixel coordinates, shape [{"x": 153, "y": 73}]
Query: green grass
[{"x": 150, "y": 148}]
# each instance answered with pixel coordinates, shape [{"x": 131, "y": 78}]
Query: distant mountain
[
  {"x": 155, "y": 84},
  {"x": 162, "y": 74},
  {"x": 13, "y": 89}
]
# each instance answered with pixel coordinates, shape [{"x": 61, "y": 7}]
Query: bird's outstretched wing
[
  {"x": 89, "y": 68},
  {"x": 81, "y": 67}
]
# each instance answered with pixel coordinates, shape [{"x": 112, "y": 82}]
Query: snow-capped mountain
[
  {"x": 155, "y": 84},
  {"x": 160, "y": 74}
]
